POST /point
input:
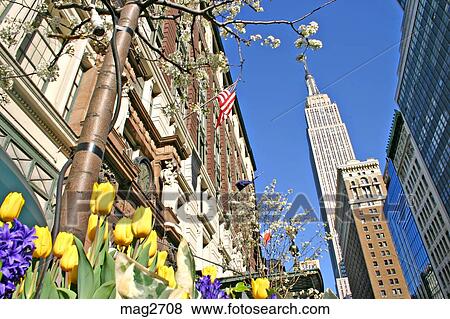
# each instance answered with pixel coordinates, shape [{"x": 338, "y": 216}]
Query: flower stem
[{"x": 34, "y": 279}]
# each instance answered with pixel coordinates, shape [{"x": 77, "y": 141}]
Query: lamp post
[{"x": 90, "y": 148}]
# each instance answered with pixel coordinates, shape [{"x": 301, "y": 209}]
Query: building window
[
  {"x": 377, "y": 273},
  {"x": 380, "y": 283},
  {"x": 397, "y": 291},
  {"x": 73, "y": 94},
  {"x": 367, "y": 236},
  {"x": 40, "y": 175},
  {"x": 36, "y": 48},
  {"x": 375, "y": 263},
  {"x": 383, "y": 293},
  {"x": 370, "y": 246},
  {"x": 372, "y": 254},
  {"x": 365, "y": 228}
]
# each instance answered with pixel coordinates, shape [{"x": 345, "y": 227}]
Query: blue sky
[{"x": 358, "y": 63}]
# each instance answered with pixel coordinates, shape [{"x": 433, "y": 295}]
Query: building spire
[{"x": 310, "y": 82}]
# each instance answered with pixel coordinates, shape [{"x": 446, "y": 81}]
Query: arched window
[
  {"x": 364, "y": 181},
  {"x": 375, "y": 180}
]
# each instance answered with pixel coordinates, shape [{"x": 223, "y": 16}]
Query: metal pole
[{"x": 91, "y": 145}]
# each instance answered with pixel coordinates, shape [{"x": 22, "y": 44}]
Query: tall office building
[
  {"x": 414, "y": 260},
  {"x": 368, "y": 250},
  {"x": 427, "y": 208},
  {"x": 423, "y": 87},
  {"x": 329, "y": 147}
]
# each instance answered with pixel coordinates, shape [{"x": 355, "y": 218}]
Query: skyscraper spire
[{"x": 310, "y": 82}]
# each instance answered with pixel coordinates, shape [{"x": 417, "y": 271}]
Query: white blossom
[
  {"x": 47, "y": 72},
  {"x": 315, "y": 44}
]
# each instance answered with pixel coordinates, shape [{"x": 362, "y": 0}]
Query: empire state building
[{"x": 330, "y": 147}]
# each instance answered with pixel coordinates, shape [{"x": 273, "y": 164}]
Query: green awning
[{"x": 11, "y": 180}]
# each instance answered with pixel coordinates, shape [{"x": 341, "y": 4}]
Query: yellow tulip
[
  {"x": 3, "y": 224},
  {"x": 162, "y": 256},
  {"x": 185, "y": 295},
  {"x": 259, "y": 288},
  {"x": 168, "y": 274},
  {"x": 142, "y": 222},
  {"x": 102, "y": 198},
  {"x": 43, "y": 242},
  {"x": 92, "y": 227},
  {"x": 151, "y": 240},
  {"x": 63, "y": 241},
  {"x": 11, "y": 207},
  {"x": 69, "y": 259},
  {"x": 211, "y": 271},
  {"x": 123, "y": 236},
  {"x": 73, "y": 275}
]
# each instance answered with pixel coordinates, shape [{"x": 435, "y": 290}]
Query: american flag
[{"x": 226, "y": 101}]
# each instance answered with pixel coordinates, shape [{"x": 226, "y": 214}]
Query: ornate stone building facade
[
  {"x": 373, "y": 266},
  {"x": 175, "y": 162}
]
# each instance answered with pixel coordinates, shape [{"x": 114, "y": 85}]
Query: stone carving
[
  {"x": 170, "y": 185},
  {"x": 169, "y": 174}
]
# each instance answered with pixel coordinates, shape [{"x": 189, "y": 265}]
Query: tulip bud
[
  {"x": 259, "y": 288},
  {"x": 73, "y": 275},
  {"x": 43, "y": 242},
  {"x": 152, "y": 241},
  {"x": 63, "y": 241},
  {"x": 142, "y": 222},
  {"x": 210, "y": 271},
  {"x": 11, "y": 207},
  {"x": 123, "y": 236},
  {"x": 162, "y": 256},
  {"x": 102, "y": 198},
  {"x": 168, "y": 274},
  {"x": 69, "y": 259},
  {"x": 92, "y": 227}
]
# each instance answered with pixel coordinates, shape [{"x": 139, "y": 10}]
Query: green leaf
[
  {"x": 99, "y": 245},
  {"x": 135, "y": 281},
  {"x": 152, "y": 267},
  {"x": 65, "y": 293},
  {"x": 108, "y": 271},
  {"x": 185, "y": 268},
  {"x": 105, "y": 290},
  {"x": 241, "y": 287},
  {"x": 113, "y": 293},
  {"x": 143, "y": 257},
  {"x": 97, "y": 274},
  {"x": 85, "y": 283},
  {"x": 29, "y": 284},
  {"x": 49, "y": 290}
]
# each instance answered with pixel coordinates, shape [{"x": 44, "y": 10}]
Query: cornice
[
  {"x": 31, "y": 100},
  {"x": 160, "y": 142}
]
